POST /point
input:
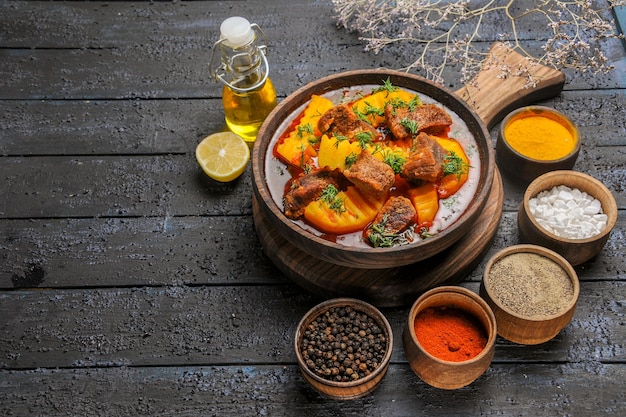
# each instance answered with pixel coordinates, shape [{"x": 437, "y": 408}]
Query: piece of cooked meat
[
  {"x": 307, "y": 189},
  {"x": 428, "y": 118},
  {"x": 341, "y": 120},
  {"x": 370, "y": 175},
  {"x": 395, "y": 217},
  {"x": 425, "y": 162}
]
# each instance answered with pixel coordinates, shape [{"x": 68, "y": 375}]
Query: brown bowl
[
  {"x": 576, "y": 251},
  {"x": 528, "y": 299},
  {"x": 359, "y": 256},
  {"x": 441, "y": 373},
  {"x": 368, "y": 378},
  {"x": 524, "y": 168}
]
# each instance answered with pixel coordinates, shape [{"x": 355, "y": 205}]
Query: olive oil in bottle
[{"x": 248, "y": 95}]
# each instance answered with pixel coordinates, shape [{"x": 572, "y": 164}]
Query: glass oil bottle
[{"x": 248, "y": 95}]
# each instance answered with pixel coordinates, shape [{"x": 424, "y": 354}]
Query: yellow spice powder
[{"x": 539, "y": 137}]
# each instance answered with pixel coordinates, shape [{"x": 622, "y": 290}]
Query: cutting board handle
[{"x": 493, "y": 96}]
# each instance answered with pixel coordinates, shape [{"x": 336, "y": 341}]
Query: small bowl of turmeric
[
  {"x": 534, "y": 140},
  {"x": 449, "y": 338}
]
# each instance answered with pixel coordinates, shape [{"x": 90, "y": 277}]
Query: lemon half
[{"x": 223, "y": 156}]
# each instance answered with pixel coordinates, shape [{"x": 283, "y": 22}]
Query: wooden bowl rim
[
  {"x": 539, "y": 250},
  {"x": 461, "y": 292},
  {"x": 358, "y": 305},
  {"x": 567, "y": 176},
  {"x": 541, "y": 162},
  {"x": 301, "y": 96}
]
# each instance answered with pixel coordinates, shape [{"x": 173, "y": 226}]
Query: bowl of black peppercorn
[{"x": 343, "y": 347}]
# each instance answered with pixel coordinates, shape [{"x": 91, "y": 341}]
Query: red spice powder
[{"x": 450, "y": 334}]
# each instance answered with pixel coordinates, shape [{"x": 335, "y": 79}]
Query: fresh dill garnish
[
  {"x": 303, "y": 158},
  {"x": 454, "y": 165},
  {"x": 338, "y": 139},
  {"x": 330, "y": 197},
  {"x": 367, "y": 111},
  {"x": 307, "y": 128},
  {"x": 397, "y": 102},
  {"x": 424, "y": 232},
  {"x": 350, "y": 160},
  {"x": 387, "y": 86},
  {"x": 395, "y": 161},
  {"x": 410, "y": 125},
  {"x": 415, "y": 102},
  {"x": 381, "y": 239},
  {"x": 364, "y": 139}
]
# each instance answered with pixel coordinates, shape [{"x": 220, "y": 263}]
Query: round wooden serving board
[{"x": 491, "y": 97}]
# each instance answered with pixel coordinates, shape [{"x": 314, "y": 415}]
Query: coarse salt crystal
[{"x": 568, "y": 212}]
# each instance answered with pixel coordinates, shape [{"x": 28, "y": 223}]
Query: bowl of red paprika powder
[{"x": 449, "y": 338}]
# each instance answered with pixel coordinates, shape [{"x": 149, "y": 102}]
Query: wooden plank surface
[
  {"x": 131, "y": 284},
  {"x": 258, "y": 390},
  {"x": 210, "y": 325}
]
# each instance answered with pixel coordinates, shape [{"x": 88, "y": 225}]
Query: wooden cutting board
[{"x": 491, "y": 97}]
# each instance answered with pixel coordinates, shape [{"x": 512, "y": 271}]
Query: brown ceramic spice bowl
[
  {"x": 448, "y": 374},
  {"x": 576, "y": 251},
  {"x": 267, "y": 174},
  {"x": 523, "y": 167},
  {"x": 532, "y": 291},
  {"x": 338, "y": 361}
]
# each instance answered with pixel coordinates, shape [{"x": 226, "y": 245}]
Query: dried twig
[{"x": 448, "y": 30}]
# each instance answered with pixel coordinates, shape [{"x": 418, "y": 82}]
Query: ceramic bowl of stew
[
  {"x": 349, "y": 250},
  {"x": 449, "y": 337},
  {"x": 568, "y": 231},
  {"x": 343, "y": 347},
  {"x": 533, "y": 292},
  {"x": 533, "y": 140}
]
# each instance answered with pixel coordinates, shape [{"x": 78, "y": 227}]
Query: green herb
[
  {"x": 350, "y": 160},
  {"x": 307, "y": 128},
  {"x": 454, "y": 165},
  {"x": 364, "y": 139},
  {"x": 395, "y": 161},
  {"x": 330, "y": 197},
  {"x": 450, "y": 202},
  {"x": 387, "y": 86},
  {"x": 415, "y": 102},
  {"x": 339, "y": 138},
  {"x": 424, "y": 232},
  {"x": 410, "y": 125},
  {"x": 381, "y": 239},
  {"x": 369, "y": 110}
]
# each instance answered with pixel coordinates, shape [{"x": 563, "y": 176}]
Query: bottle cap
[{"x": 236, "y": 31}]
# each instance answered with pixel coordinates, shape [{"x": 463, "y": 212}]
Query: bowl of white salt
[{"x": 569, "y": 212}]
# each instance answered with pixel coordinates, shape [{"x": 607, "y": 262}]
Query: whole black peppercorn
[{"x": 343, "y": 344}]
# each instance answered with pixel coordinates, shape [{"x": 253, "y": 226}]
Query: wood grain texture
[
  {"x": 394, "y": 286},
  {"x": 493, "y": 96},
  {"x": 219, "y": 325},
  {"x": 132, "y": 285}
]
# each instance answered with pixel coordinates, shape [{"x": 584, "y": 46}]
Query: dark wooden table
[{"x": 132, "y": 285}]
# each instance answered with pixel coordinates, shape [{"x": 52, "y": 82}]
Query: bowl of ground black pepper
[
  {"x": 570, "y": 212},
  {"x": 449, "y": 338},
  {"x": 343, "y": 348},
  {"x": 532, "y": 291},
  {"x": 533, "y": 140}
]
